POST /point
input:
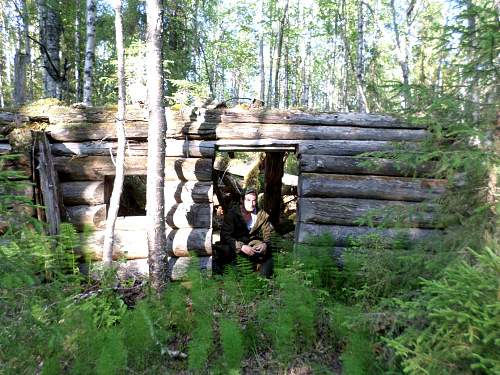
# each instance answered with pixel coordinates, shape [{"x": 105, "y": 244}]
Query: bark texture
[
  {"x": 155, "y": 207},
  {"x": 114, "y": 203},
  {"x": 89, "y": 52}
]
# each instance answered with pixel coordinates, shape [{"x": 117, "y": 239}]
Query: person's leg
[
  {"x": 222, "y": 257},
  {"x": 266, "y": 267}
]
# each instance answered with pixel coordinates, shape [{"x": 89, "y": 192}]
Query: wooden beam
[
  {"x": 188, "y": 169},
  {"x": 311, "y": 132},
  {"x": 175, "y": 147},
  {"x": 189, "y": 215},
  {"x": 347, "y": 148},
  {"x": 298, "y": 117},
  {"x": 83, "y": 192},
  {"x": 188, "y": 191},
  {"x": 344, "y": 235},
  {"x": 347, "y": 211},
  {"x": 371, "y": 187},
  {"x": 84, "y": 216},
  {"x": 359, "y": 165},
  {"x": 96, "y": 167}
]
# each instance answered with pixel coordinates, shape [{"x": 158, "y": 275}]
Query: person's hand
[
  {"x": 260, "y": 248},
  {"x": 248, "y": 250}
]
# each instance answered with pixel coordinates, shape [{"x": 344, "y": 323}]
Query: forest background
[{"x": 431, "y": 309}]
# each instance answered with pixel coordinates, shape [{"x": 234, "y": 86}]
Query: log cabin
[{"x": 69, "y": 153}]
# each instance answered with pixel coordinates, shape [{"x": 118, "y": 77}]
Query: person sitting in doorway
[{"x": 245, "y": 232}]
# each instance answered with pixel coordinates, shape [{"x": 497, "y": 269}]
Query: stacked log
[
  {"x": 349, "y": 197},
  {"x": 337, "y": 187}
]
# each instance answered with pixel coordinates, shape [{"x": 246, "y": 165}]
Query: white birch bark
[
  {"x": 402, "y": 47},
  {"x": 89, "y": 52},
  {"x": 114, "y": 203},
  {"x": 279, "y": 49},
  {"x": 261, "y": 52},
  {"x": 155, "y": 199},
  {"x": 362, "y": 102},
  {"x": 78, "y": 42}
]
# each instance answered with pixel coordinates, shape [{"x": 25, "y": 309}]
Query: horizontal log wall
[{"x": 336, "y": 186}]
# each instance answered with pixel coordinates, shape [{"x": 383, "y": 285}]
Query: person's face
[{"x": 250, "y": 202}]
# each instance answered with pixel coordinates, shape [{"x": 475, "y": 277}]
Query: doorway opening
[{"x": 272, "y": 173}]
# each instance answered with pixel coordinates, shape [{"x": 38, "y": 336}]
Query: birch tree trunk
[
  {"x": 261, "y": 53},
  {"x": 2, "y": 59},
  {"x": 50, "y": 35},
  {"x": 281, "y": 32},
  {"x": 362, "y": 102},
  {"x": 155, "y": 199},
  {"x": 114, "y": 204},
  {"x": 89, "y": 52},
  {"x": 402, "y": 48},
  {"x": 78, "y": 62}
]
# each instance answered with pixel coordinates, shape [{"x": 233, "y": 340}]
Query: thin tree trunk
[
  {"x": 362, "y": 102},
  {"x": 78, "y": 62},
  {"x": 474, "y": 88},
  {"x": 50, "y": 34},
  {"x": 155, "y": 206},
  {"x": 114, "y": 204},
  {"x": 306, "y": 74},
  {"x": 2, "y": 59},
  {"x": 19, "y": 78},
  {"x": 402, "y": 51},
  {"x": 261, "y": 53},
  {"x": 271, "y": 62},
  {"x": 89, "y": 52},
  {"x": 281, "y": 32},
  {"x": 287, "y": 78}
]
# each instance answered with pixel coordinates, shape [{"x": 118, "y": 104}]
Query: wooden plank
[
  {"x": 76, "y": 132},
  {"x": 96, "y": 167},
  {"x": 83, "y": 192},
  {"x": 48, "y": 184},
  {"x": 188, "y": 191},
  {"x": 97, "y": 148},
  {"x": 189, "y": 215},
  {"x": 347, "y": 148},
  {"x": 180, "y": 148},
  {"x": 344, "y": 235},
  {"x": 347, "y": 211},
  {"x": 298, "y": 117},
  {"x": 371, "y": 187},
  {"x": 310, "y": 132},
  {"x": 85, "y": 216},
  {"x": 78, "y": 115},
  {"x": 358, "y": 165}
]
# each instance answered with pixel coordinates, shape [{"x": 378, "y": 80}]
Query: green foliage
[
  {"x": 232, "y": 345},
  {"x": 201, "y": 344},
  {"x": 460, "y": 315}
]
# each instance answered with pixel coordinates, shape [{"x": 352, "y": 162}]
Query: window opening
[{"x": 133, "y": 198}]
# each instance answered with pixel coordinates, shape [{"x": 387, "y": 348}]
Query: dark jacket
[{"x": 235, "y": 234}]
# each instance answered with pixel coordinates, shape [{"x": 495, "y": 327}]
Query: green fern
[
  {"x": 113, "y": 357},
  {"x": 232, "y": 344}
]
